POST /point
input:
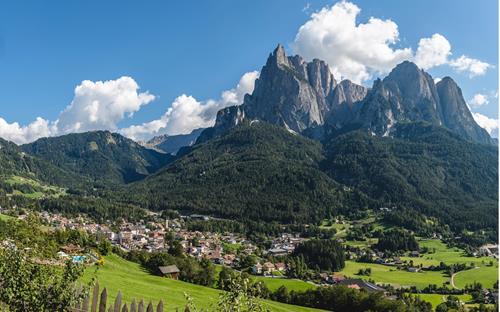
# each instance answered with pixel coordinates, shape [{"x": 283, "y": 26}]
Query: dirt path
[{"x": 452, "y": 281}]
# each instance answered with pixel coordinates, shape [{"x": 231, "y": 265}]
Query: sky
[{"x": 144, "y": 68}]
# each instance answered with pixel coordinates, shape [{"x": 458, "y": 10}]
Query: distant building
[
  {"x": 257, "y": 269},
  {"x": 170, "y": 271},
  {"x": 276, "y": 252},
  {"x": 361, "y": 284},
  {"x": 268, "y": 267},
  {"x": 280, "y": 266}
]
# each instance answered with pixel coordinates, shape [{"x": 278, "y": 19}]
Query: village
[{"x": 154, "y": 236}]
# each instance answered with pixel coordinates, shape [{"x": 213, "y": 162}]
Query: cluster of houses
[
  {"x": 268, "y": 268},
  {"x": 284, "y": 244},
  {"x": 488, "y": 250},
  {"x": 154, "y": 236}
]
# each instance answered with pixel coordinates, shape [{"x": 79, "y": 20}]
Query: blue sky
[{"x": 199, "y": 49}]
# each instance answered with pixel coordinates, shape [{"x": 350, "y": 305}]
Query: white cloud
[
  {"x": 489, "y": 124},
  {"x": 437, "y": 79},
  {"x": 102, "y": 105},
  {"x": 432, "y": 51},
  {"x": 478, "y": 100},
  {"x": 472, "y": 66},
  {"x": 97, "y": 105},
  {"x": 24, "y": 134},
  {"x": 352, "y": 50},
  {"x": 357, "y": 51},
  {"x": 186, "y": 113}
]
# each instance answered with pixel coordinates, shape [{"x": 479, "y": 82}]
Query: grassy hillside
[
  {"x": 129, "y": 278},
  {"x": 290, "y": 284},
  {"x": 31, "y": 188},
  {"x": 389, "y": 275},
  {"x": 16, "y": 164}
]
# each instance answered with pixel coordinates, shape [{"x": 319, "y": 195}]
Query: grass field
[
  {"x": 445, "y": 254},
  {"x": 436, "y": 299},
  {"x": 5, "y": 217},
  {"x": 129, "y": 278},
  {"x": 390, "y": 275},
  {"x": 290, "y": 284},
  {"x": 41, "y": 190},
  {"x": 484, "y": 274}
]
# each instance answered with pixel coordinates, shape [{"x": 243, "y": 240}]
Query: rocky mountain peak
[
  {"x": 455, "y": 113},
  {"x": 278, "y": 56},
  {"x": 301, "y": 95}
]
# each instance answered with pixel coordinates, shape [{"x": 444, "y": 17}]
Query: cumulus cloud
[
  {"x": 352, "y": 50},
  {"x": 478, "y": 100},
  {"x": 433, "y": 51},
  {"x": 24, "y": 134},
  {"x": 186, "y": 113},
  {"x": 357, "y": 51},
  {"x": 472, "y": 66},
  {"x": 99, "y": 105},
  {"x": 489, "y": 124},
  {"x": 102, "y": 104}
]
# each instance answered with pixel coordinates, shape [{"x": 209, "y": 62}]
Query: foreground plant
[{"x": 27, "y": 285}]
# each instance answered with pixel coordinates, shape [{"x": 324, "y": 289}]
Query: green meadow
[
  {"x": 38, "y": 190},
  {"x": 118, "y": 274},
  {"x": 290, "y": 284},
  {"x": 390, "y": 275}
]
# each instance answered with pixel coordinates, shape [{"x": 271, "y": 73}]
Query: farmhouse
[
  {"x": 280, "y": 266},
  {"x": 170, "y": 271},
  {"x": 360, "y": 284},
  {"x": 257, "y": 269},
  {"x": 268, "y": 267}
]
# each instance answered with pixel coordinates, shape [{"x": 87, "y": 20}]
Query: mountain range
[
  {"x": 304, "y": 97},
  {"x": 302, "y": 147}
]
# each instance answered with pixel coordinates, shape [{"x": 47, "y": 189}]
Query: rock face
[
  {"x": 291, "y": 92},
  {"x": 408, "y": 94},
  {"x": 456, "y": 115},
  {"x": 172, "y": 143},
  {"x": 305, "y": 98},
  {"x": 346, "y": 102}
]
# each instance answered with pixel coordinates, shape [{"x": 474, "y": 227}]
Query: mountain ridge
[
  {"x": 302, "y": 96},
  {"x": 100, "y": 155}
]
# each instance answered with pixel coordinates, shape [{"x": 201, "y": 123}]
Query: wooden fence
[{"x": 99, "y": 303}]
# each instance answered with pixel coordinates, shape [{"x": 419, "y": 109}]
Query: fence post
[
  {"x": 150, "y": 307},
  {"x": 159, "y": 307},
  {"x": 104, "y": 298},
  {"x": 141, "y": 306},
  {"x": 85, "y": 304},
  {"x": 95, "y": 297},
  {"x": 125, "y": 309},
  {"x": 118, "y": 302},
  {"x": 133, "y": 306}
]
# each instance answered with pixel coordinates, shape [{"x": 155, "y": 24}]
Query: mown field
[
  {"x": 390, "y": 275},
  {"x": 436, "y": 299},
  {"x": 485, "y": 273},
  {"x": 290, "y": 284},
  {"x": 33, "y": 189},
  {"x": 129, "y": 278}
]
